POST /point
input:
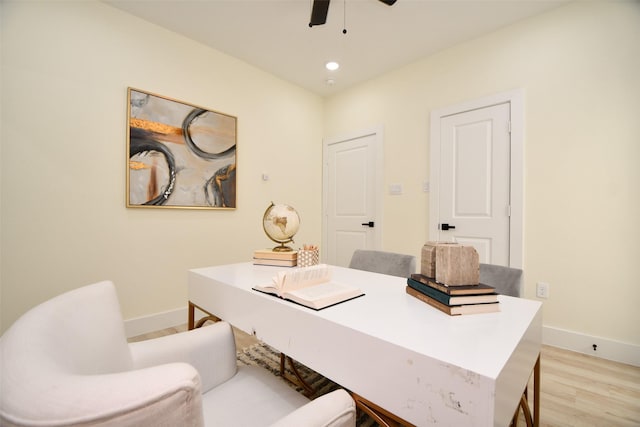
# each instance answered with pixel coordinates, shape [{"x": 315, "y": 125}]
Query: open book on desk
[{"x": 310, "y": 286}]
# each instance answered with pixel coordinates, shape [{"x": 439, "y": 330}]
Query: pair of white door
[{"x": 470, "y": 189}]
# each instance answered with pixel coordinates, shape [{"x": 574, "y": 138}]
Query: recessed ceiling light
[{"x": 332, "y": 66}]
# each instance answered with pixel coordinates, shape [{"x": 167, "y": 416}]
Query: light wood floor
[
  {"x": 577, "y": 389},
  {"x": 582, "y": 390}
]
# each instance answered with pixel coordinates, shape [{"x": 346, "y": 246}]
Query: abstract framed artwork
[{"x": 180, "y": 155}]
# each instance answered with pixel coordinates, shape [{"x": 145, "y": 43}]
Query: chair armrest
[
  {"x": 335, "y": 409},
  {"x": 210, "y": 349},
  {"x": 163, "y": 395}
]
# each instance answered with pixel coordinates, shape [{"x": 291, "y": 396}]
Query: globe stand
[{"x": 283, "y": 248}]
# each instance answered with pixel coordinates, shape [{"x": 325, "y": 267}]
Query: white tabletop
[{"x": 483, "y": 345}]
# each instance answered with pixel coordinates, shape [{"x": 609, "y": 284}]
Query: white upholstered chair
[
  {"x": 390, "y": 263},
  {"x": 67, "y": 362}
]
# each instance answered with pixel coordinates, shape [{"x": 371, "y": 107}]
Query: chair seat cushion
[{"x": 253, "y": 392}]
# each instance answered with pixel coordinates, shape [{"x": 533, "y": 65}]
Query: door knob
[
  {"x": 368, "y": 224},
  {"x": 447, "y": 227}
]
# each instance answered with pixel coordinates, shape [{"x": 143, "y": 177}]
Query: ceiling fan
[{"x": 321, "y": 7}]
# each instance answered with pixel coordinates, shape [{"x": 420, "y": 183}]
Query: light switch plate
[{"x": 395, "y": 189}]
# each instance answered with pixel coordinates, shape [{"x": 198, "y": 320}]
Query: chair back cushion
[
  {"x": 383, "y": 262},
  {"x": 79, "y": 332},
  {"x": 74, "y": 334},
  {"x": 506, "y": 280}
]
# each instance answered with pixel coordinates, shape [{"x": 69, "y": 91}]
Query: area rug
[{"x": 268, "y": 358}]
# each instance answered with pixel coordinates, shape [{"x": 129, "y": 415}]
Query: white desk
[{"x": 420, "y": 364}]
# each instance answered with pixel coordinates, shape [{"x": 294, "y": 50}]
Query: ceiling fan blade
[
  {"x": 319, "y": 12},
  {"x": 388, "y": 2}
]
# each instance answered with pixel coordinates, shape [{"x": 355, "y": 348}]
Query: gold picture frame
[{"x": 179, "y": 155}]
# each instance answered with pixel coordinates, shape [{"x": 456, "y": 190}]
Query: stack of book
[
  {"x": 276, "y": 258},
  {"x": 453, "y": 300}
]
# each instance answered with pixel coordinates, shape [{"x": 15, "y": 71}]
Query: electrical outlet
[{"x": 542, "y": 290}]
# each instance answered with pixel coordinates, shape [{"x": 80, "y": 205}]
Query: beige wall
[
  {"x": 579, "y": 67},
  {"x": 66, "y": 67},
  {"x": 65, "y": 70}
]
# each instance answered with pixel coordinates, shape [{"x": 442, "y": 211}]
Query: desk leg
[
  {"x": 381, "y": 416},
  {"x": 536, "y": 393},
  {"x": 532, "y": 420},
  {"x": 308, "y": 390},
  {"x": 192, "y": 313},
  {"x": 191, "y": 320}
]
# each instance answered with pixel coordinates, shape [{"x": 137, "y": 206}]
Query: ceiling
[{"x": 274, "y": 35}]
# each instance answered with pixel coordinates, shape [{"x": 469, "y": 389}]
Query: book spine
[
  {"x": 431, "y": 283},
  {"x": 275, "y": 255},
  {"x": 433, "y": 293},
  {"x": 429, "y": 301},
  {"x": 274, "y": 262}
]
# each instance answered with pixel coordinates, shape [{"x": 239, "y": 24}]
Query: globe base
[{"x": 283, "y": 248}]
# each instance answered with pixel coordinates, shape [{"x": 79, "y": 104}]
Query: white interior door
[
  {"x": 352, "y": 213},
  {"x": 474, "y": 202}
]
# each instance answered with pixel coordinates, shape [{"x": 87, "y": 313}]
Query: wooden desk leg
[
  {"x": 536, "y": 393},
  {"x": 381, "y": 416},
  {"x": 532, "y": 420},
  {"x": 192, "y": 313},
  {"x": 309, "y": 391}
]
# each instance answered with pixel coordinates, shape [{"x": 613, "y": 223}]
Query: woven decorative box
[{"x": 307, "y": 258}]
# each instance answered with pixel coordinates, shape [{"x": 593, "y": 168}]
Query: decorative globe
[{"x": 281, "y": 223}]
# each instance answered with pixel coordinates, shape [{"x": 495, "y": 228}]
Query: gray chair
[
  {"x": 506, "y": 280},
  {"x": 383, "y": 262}
]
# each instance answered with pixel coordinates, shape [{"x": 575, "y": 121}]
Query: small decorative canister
[{"x": 309, "y": 255}]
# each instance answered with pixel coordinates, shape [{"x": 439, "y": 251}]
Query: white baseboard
[
  {"x": 155, "y": 322},
  {"x": 581, "y": 343}
]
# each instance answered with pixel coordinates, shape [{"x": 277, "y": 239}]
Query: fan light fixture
[
  {"x": 332, "y": 65},
  {"x": 320, "y": 9}
]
